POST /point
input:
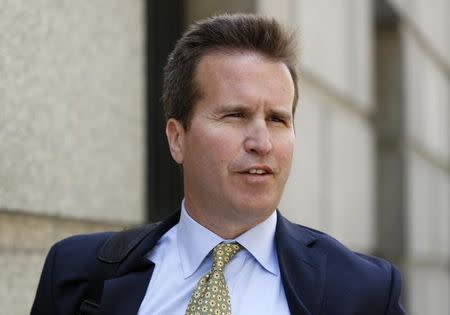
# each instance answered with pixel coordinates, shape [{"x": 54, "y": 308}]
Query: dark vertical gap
[
  {"x": 164, "y": 190},
  {"x": 390, "y": 130}
]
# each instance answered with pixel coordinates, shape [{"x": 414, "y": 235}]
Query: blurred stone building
[{"x": 82, "y": 147}]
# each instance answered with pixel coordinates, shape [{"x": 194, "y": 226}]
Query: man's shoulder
[
  {"x": 350, "y": 279},
  {"x": 331, "y": 246},
  {"x": 348, "y": 267},
  {"x": 90, "y": 242},
  {"x": 88, "y": 239},
  {"x": 339, "y": 256},
  {"x": 77, "y": 253},
  {"x": 338, "y": 253},
  {"x": 334, "y": 247},
  {"x": 109, "y": 246}
]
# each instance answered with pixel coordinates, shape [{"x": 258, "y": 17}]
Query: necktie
[{"x": 211, "y": 296}]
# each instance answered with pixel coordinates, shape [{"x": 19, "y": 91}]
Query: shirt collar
[
  {"x": 260, "y": 242},
  {"x": 195, "y": 242}
]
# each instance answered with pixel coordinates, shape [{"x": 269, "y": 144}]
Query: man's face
[{"x": 237, "y": 152}]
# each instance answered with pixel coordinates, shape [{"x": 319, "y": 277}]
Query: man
[{"x": 230, "y": 95}]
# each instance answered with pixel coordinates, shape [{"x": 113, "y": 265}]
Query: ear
[{"x": 175, "y": 136}]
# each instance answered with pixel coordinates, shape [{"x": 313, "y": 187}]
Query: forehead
[
  {"x": 244, "y": 76},
  {"x": 232, "y": 63}
]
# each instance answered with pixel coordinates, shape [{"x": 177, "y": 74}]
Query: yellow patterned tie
[{"x": 211, "y": 296}]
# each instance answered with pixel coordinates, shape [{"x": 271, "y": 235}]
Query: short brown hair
[{"x": 237, "y": 32}]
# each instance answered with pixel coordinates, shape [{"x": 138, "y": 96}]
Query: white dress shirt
[{"x": 183, "y": 256}]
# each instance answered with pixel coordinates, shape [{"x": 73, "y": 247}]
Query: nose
[{"x": 258, "y": 139}]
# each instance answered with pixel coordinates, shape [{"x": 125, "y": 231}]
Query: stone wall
[
  {"x": 71, "y": 129},
  {"x": 426, "y": 45}
]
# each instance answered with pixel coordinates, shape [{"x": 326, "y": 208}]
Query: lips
[{"x": 257, "y": 170}]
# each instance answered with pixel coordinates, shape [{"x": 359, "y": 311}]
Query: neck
[{"x": 225, "y": 227}]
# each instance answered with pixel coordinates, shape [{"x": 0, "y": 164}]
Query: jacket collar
[
  {"x": 124, "y": 293},
  {"x": 302, "y": 267}
]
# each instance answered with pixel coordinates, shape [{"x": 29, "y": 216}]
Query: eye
[
  {"x": 277, "y": 119},
  {"x": 235, "y": 115}
]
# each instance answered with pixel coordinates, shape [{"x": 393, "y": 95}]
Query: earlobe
[{"x": 175, "y": 138}]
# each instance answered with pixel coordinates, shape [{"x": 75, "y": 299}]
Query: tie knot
[{"x": 223, "y": 253}]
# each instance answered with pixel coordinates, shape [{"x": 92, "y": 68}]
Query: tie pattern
[{"x": 211, "y": 296}]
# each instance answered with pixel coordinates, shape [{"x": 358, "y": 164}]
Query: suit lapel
[
  {"x": 302, "y": 267},
  {"x": 124, "y": 293}
]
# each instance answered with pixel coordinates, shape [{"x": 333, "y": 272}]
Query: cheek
[
  {"x": 285, "y": 148},
  {"x": 213, "y": 151},
  {"x": 284, "y": 155},
  {"x": 221, "y": 152}
]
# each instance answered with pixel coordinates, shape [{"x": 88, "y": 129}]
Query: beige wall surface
[
  {"x": 71, "y": 129},
  {"x": 425, "y": 29},
  {"x": 71, "y": 120}
]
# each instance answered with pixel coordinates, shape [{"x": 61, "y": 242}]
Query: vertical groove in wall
[
  {"x": 325, "y": 171},
  {"x": 164, "y": 183},
  {"x": 389, "y": 125}
]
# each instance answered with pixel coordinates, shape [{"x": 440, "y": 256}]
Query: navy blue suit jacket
[{"x": 320, "y": 275}]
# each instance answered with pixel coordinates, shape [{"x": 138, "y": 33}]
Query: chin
[{"x": 254, "y": 209}]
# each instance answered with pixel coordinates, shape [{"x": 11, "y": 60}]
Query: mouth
[{"x": 258, "y": 170}]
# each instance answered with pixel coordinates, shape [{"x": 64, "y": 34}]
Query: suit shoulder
[
  {"x": 340, "y": 257},
  {"x": 76, "y": 254},
  {"x": 335, "y": 249},
  {"x": 358, "y": 275},
  {"x": 371, "y": 281},
  {"x": 86, "y": 242}
]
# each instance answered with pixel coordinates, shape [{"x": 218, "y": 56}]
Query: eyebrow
[{"x": 226, "y": 108}]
